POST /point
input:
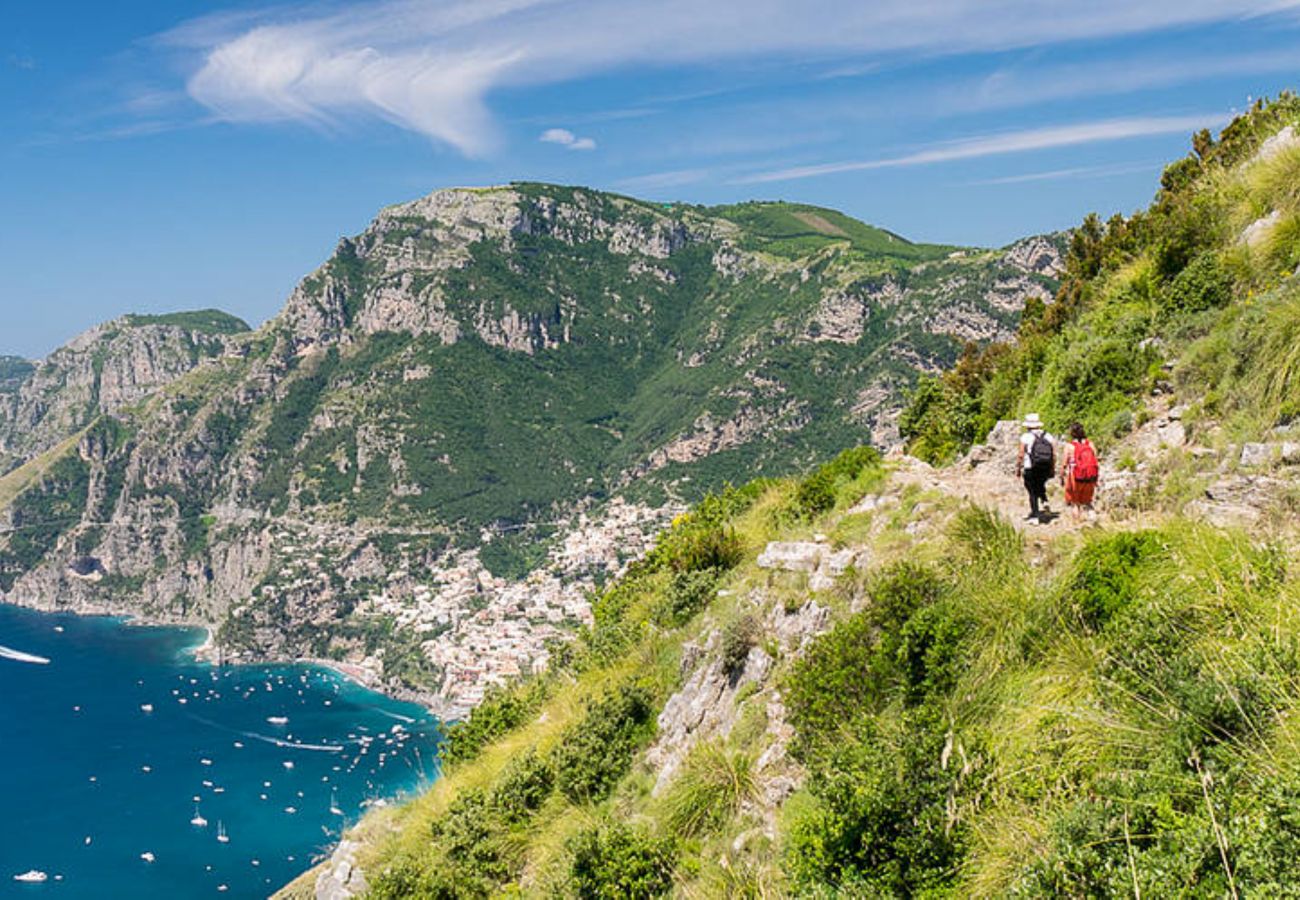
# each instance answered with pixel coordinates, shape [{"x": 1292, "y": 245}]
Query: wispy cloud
[
  {"x": 1026, "y": 85},
  {"x": 999, "y": 144},
  {"x": 657, "y": 181},
  {"x": 20, "y": 61},
  {"x": 430, "y": 65},
  {"x": 1071, "y": 173},
  {"x": 567, "y": 139}
]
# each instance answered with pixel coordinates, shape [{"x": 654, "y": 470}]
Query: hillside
[
  {"x": 474, "y": 411},
  {"x": 868, "y": 682}
]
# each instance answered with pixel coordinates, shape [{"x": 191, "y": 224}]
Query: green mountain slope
[
  {"x": 867, "y": 682},
  {"x": 457, "y": 385}
]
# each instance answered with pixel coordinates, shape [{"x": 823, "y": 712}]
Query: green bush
[
  {"x": 738, "y": 637},
  {"x": 613, "y": 861},
  {"x": 703, "y": 538},
  {"x": 904, "y": 646},
  {"x": 502, "y": 709},
  {"x": 816, "y": 492},
  {"x": 597, "y": 751},
  {"x": 1105, "y": 576},
  {"x": 881, "y": 826},
  {"x": 1204, "y": 284},
  {"x": 523, "y": 787},
  {"x": 688, "y": 593}
]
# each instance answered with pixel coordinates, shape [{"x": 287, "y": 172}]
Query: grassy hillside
[
  {"x": 978, "y": 717},
  {"x": 797, "y": 229},
  {"x": 962, "y": 711},
  {"x": 1195, "y": 294}
]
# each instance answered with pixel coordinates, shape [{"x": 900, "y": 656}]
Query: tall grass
[{"x": 710, "y": 790}]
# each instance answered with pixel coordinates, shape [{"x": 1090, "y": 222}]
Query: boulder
[
  {"x": 791, "y": 556},
  {"x": 1255, "y": 455}
]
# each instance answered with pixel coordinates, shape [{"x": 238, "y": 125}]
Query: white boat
[
  {"x": 146, "y": 707},
  {"x": 278, "y": 720},
  {"x": 198, "y": 819},
  {"x": 32, "y": 876},
  {"x": 334, "y": 803},
  {"x": 147, "y": 856},
  {"x": 221, "y": 833}
]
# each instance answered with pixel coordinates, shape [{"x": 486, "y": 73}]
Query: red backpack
[{"x": 1085, "y": 462}]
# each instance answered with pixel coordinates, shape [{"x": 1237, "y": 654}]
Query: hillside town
[{"x": 485, "y": 630}]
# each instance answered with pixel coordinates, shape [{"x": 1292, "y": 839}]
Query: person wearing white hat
[{"x": 1035, "y": 463}]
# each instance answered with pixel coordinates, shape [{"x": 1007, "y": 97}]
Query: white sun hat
[{"x": 1032, "y": 421}]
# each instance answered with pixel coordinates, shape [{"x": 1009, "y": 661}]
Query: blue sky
[{"x": 169, "y": 154}]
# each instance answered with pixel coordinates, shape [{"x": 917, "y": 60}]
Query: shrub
[
  {"x": 703, "y": 538},
  {"x": 596, "y": 752},
  {"x": 1105, "y": 577},
  {"x": 881, "y": 827},
  {"x": 1205, "y": 284},
  {"x": 613, "y": 861},
  {"x": 710, "y": 789},
  {"x": 471, "y": 837},
  {"x": 816, "y": 492},
  {"x": 502, "y": 709},
  {"x": 897, "y": 646},
  {"x": 523, "y": 787},
  {"x": 688, "y": 593},
  {"x": 738, "y": 636}
]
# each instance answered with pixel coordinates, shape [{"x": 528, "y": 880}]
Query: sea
[{"x": 123, "y": 760}]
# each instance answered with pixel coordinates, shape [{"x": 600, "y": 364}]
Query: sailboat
[
  {"x": 334, "y": 803},
  {"x": 198, "y": 819},
  {"x": 222, "y": 837}
]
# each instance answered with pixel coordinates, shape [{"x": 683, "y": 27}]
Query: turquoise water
[{"x": 90, "y": 781}]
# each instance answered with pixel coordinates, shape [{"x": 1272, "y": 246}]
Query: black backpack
[{"x": 1041, "y": 453}]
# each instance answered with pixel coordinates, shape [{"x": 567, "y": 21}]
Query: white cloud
[
  {"x": 566, "y": 138},
  {"x": 1073, "y": 173},
  {"x": 557, "y": 136},
  {"x": 430, "y": 65},
  {"x": 999, "y": 144}
]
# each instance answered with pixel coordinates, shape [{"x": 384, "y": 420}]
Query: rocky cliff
[
  {"x": 460, "y": 392},
  {"x": 101, "y": 372}
]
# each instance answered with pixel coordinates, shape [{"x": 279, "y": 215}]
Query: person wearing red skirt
[{"x": 1079, "y": 471}]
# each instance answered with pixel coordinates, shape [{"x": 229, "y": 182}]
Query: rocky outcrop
[
  {"x": 1040, "y": 255},
  {"x": 103, "y": 371}
]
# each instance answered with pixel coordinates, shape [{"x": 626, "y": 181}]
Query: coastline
[{"x": 208, "y": 651}]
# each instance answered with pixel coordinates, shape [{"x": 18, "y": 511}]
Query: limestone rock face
[{"x": 102, "y": 371}]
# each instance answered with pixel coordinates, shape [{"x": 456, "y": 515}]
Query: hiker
[
  {"x": 1079, "y": 471},
  {"x": 1036, "y": 463}
]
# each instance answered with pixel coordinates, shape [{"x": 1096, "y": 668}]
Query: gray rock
[
  {"x": 1254, "y": 455},
  {"x": 340, "y": 879},
  {"x": 791, "y": 556}
]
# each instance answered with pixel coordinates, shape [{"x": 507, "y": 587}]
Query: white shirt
[{"x": 1027, "y": 439}]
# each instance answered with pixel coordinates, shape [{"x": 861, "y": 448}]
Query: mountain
[
  {"x": 484, "y": 384},
  {"x": 101, "y": 372},
  {"x": 875, "y": 679}
]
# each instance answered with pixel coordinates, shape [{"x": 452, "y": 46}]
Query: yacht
[
  {"x": 221, "y": 833},
  {"x": 32, "y": 876},
  {"x": 198, "y": 819}
]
